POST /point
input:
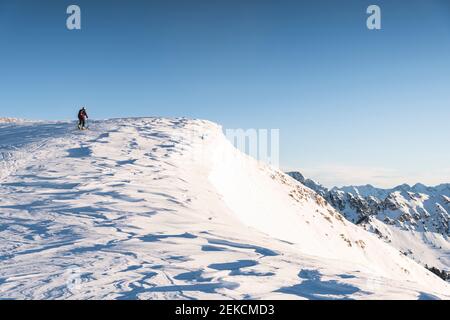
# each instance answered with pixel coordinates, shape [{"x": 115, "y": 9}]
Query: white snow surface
[{"x": 156, "y": 208}]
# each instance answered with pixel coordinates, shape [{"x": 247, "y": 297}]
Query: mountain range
[{"x": 414, "y": 219}]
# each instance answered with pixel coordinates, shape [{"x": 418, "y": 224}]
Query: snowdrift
[{"x": 154, "y": 208}]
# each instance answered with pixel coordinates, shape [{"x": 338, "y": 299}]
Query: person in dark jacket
[{"x": 82, "y": 116}]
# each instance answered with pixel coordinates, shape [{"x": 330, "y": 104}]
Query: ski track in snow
[{"x": 122, "y": 211}]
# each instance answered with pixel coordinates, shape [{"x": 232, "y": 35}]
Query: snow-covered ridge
[{"x": 168, "y": 208}]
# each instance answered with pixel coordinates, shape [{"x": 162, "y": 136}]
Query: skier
[{"x": 82, "y": 116}]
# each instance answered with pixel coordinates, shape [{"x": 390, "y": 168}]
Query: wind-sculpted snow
[{"x": 155, "y": 208}]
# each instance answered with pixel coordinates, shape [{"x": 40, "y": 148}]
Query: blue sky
[{"x": 353, "y": 106}]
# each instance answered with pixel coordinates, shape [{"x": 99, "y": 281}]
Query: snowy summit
[{"x": 155, "y": 208}]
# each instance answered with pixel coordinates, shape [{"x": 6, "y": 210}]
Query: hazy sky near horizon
[{"x": 353, "y": 106}]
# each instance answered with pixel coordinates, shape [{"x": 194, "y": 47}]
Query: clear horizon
[{"x": 353, "y": 106}]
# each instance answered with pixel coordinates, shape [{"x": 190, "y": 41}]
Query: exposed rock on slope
[{"x": 414, "y": 219}]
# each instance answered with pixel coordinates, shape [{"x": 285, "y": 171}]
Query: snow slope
[{"x": 154, "y": 208}]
